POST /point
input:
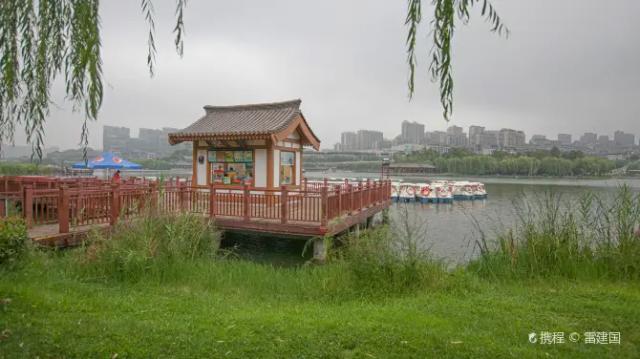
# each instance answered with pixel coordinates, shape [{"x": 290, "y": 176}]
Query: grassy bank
[
  {"x": 240, "y": 309},
  {"x": 160, "y": 287}
]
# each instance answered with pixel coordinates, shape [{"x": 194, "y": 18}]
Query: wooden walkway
[{"x": 63, "y": 216}]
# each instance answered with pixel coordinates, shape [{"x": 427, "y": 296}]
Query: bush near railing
[{"x": 13, "y": 239}]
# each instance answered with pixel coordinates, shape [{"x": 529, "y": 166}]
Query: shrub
[
  {"x": 13, "y": 239},
  {"x": 152, "y": 245}
]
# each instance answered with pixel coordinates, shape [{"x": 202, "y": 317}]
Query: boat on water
[
  {"x": 407, "y": 192},
  {"x": 395, "y": 191},
  {"x": 425, "y": 193},
  {"x": 443, "y": 193}
]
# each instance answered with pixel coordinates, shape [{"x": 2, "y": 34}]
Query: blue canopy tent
[{"x": 108, "y": 161}]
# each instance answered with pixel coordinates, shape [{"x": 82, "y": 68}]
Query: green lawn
[{"x": 243, "y": 310}]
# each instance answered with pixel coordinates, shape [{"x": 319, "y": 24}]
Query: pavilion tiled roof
[{"x": 254, "y": 120}]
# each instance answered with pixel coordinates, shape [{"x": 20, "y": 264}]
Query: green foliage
[
  {"x": 150, "y": 247},
  {"x": 20, "y": 169},
  {"x": 591, "y": 238},
  {"x": 41, "y": 40},
  {"x": 13, "y": 240},
  {"x": 538, "y": 163},
  {"x": 441, "y": 30},
  {"x": 386, "y": 261}
]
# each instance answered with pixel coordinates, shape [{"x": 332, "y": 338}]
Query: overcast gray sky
[{"x": 569, "y": 66}]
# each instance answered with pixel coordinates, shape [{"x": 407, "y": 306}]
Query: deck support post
[
  {"x": 284, "y": 204},
  {"x": 115, "y": 204},
  {"x": 212, "y": 201},
  {"x": 319, "y": 249},
  {"x": 385, "y": 216},
  {"x": 246, "y": 198},
  {"x": 63, "y": 210},
  {"x": 27, "y": 205}
]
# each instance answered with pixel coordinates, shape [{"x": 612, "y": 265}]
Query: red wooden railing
[{"x": 313, "y": 203}]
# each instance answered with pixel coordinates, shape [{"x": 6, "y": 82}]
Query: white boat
[
  {"x": 443, "y": 193},
  {"x": 395, "y": 191},
  {"x": 425, "y": 193},
  {"x": 407, "y": 192}
]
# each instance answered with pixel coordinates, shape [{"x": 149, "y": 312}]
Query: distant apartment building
[
  {"x": 436, "y": 138},
  {"x": 456, "y": 137},
  {"x": 412, "y": 132},
  {"x": 589, "y": 139},
  {"x": 369, "y": 140},
  {"x": 348, "y": 141},
  {"x": 539, "y": 140},
  {"x": 511, "y": 138},
  {"x": 149, "y": 143},
  {"x": 115, "y": 138},
  {"x": 475, "y": 135},
  {"x": 564, "y": 139},
  {"x": 622, "y": 139},
  {"x": 603, "y": 141}
]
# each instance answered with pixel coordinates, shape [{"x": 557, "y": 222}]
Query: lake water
[{"x": 448, "y": 230}]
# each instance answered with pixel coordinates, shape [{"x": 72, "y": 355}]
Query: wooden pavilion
[{"x": 259, "y": 145}]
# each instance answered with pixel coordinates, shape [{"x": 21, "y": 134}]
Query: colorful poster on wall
[
  {"x": 212, "y": 156},
  {"x": 248, "y": 156},
  {"x": 238, "y": 156},
  {"x": 219, "y": 156},
  {"x": 228, "y": 156}
]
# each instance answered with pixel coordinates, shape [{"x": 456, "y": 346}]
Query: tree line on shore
[{"x": 537, "y": 163}]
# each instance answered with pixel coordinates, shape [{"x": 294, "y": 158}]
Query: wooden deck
[{"x": 63, "y": 216}]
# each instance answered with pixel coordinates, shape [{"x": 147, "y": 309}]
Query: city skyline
[{"x": 245, "y": 55}]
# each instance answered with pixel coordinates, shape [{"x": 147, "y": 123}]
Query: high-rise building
[
  {"x": 436, "y": 138},
  {"x": 589, "y": 139},
  {"x": 412, "y": 132},
  {"x": 348, "y": 141},
  {"x": 456, "y": 136},
  {"x": 475, "y": 135},
  {"x": 115, "y": 138},
  {"x": 564, "y": 139},
  {"x": 603, "y": 141},
  {"x": 622, "y": 139},
  {"x": 539, "y": 140},
  {"x": 369, "y": 140},
  {"x": 511, "y": 138}
]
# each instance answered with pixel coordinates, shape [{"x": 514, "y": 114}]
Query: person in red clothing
[{"x": 116, "y": 177}]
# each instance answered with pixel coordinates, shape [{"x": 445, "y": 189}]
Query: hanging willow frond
[
  {"x": 414, "y": 16},
  {"x": 41, "y": 39},
  {"x": 442, "y": 29},
  {"x": 179, "y": 28},
  {"x": 148, "y": 11}
]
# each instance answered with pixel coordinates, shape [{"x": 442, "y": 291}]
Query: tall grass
[
  {"x": 153, "y": 246},
  {"x": 390, "y": 260},
  {"x": 593, "y": 237}
]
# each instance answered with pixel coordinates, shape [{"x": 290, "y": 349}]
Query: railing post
[
  {"x": 63, "y": 210},
  {"x": 182, "y": 196},
  {"x": 360, "y": 195},
  {"x": 324, "y": 206},
  {"x": 351, "y": 196},
  {"x": 325, "y": 182},
  {"x": 212, "y": 201},
  {"x": 305, "y": 183},
  {"x": 247, "y": 197},
  {"x": 153, "y": 197},
  {"x": 27, "y": 205},
  {"x": 115, "y": 203},
  {"x": 368, "y": 185},
  {"x": 284, "y": 204},
  {"x": 339, "y": 198}
]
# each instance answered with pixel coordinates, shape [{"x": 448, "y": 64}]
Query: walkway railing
[{"x": 312, "y": 204}]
